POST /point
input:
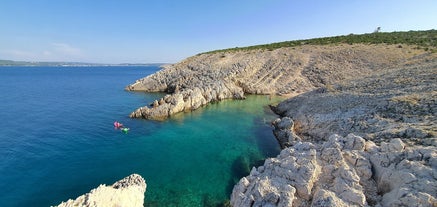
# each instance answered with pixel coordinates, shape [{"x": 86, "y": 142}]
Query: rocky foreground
[
  {"x": 126, "y": 192},
  {"x": 343, "y": 171}
]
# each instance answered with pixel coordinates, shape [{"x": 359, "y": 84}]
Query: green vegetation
[{"x": 426, "y": 40}]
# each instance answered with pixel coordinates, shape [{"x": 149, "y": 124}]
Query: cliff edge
[{"x": 126, "y": 192}]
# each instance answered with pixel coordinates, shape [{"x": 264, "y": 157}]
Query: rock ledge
[{"x": 127, "y": 192}]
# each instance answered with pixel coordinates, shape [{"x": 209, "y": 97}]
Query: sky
[{"x": 160, "y": 31}]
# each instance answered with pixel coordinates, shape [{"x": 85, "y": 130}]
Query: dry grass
[{"x": 410, "y": 99}]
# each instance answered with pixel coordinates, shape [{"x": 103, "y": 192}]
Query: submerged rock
[{"x": 127, "y": 192}]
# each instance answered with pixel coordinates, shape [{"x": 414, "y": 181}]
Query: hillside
[
  {"x": 288, "y": 70},
  {"x": 65, "y": 64},
  {"x": 426, "y": 40}
]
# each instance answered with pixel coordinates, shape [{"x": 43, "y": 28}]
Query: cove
[
  {"x": 60, "y": 143},
  {"x": 205, "y": 152}
]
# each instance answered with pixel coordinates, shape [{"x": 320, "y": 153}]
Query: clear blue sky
[{"x": 144, "y": 31}]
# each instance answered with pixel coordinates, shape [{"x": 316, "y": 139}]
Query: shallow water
[{"x": 58, "y": 141}]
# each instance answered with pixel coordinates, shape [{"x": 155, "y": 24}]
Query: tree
[{"x": 378, "y": 29}]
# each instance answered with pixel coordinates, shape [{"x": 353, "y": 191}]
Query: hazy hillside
[{"x": 72, "y": 64}]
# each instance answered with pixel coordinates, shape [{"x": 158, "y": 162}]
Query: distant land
[{"x": 68, "y": 64}]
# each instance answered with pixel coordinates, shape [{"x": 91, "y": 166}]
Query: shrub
[{"x": 423, "y": 39}]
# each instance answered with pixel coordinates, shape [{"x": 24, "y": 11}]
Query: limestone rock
[
  {"x": 284, "y": 132},
  {"x": 211, "y": 77},
  {"x": 127, "y": 192},
  {"x": 338, "y": 172},
  {"x": 396, "y": 103},
  {"x": 405, "y": 175}
]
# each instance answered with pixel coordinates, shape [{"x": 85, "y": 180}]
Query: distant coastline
[{"x": 4, "y": 63}]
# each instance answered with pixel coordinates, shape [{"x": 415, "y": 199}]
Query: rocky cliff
[
  {"x": 126, "y": 192},
  {"x": 211, "y": 77}
]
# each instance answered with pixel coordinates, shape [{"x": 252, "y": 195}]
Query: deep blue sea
[{"x": 57, "y": 139}]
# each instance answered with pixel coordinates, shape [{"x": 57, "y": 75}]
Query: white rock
[
  {"x": 343, "y": 172},
  {"x": 127, "y": 192}
]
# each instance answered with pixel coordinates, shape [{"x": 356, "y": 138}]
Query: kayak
[
  {"x": 125, "y": 130},
  {"x": 118, "y": 124}
]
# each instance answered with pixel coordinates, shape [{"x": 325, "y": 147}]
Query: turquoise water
[{"x": 58, "y": 141}]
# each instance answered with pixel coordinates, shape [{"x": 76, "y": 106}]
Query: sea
[{"x": 57, "y": 139}]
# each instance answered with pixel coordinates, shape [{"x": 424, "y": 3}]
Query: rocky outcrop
[
  {"x": 343, "y": 171},
  {"x": 396, "y": 103},
  {"x": 187, "y": 100},
  {"x": 127, "y": 192},
  {"x": 368, "y": 141},
  {"x": 210, "y": 77}
]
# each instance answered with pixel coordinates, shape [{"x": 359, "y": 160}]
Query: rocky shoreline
[
  {"x": 207, "y": 78},
  {"x": 343, "y": 171},
  {"x": 128, "y": 191},
  {"x": 359, "y": 129},
  {"x": 368, "y": 141}
]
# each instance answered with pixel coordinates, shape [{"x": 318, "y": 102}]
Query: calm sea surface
[{"x": 57, "y": 139}]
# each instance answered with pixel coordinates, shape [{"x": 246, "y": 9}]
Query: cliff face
[
  {"x": 206, "y": 78},
  {"x": 126, "y": 192}
]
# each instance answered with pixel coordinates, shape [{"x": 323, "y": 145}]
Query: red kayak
[{"x": 118, "y": 124}]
